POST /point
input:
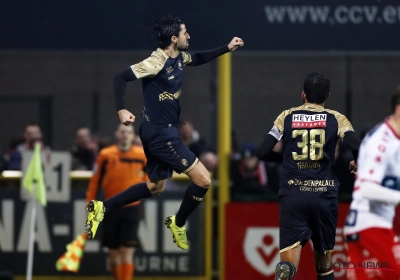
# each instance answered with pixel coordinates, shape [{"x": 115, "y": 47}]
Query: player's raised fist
[
  {"x": 126, "y": 117},
  {"x": 235, "y": 43}
]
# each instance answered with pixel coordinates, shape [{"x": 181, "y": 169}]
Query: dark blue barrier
[{"x": 264, "y": 25}]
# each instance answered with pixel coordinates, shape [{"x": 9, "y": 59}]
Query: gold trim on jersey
[
  {"x": 344, "y": 124},
  {"x": 290, "y": 247},
  {"x": 170, "y": 96},
  {"x": 187, "y": 58},
  {"x": 192, "y": 166},
  {"x": 280, "y": 120},
  {"x": 151, "y": 65}
]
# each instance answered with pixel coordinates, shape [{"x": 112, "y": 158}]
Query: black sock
[
  {"x": 130, "y": 195},
  {"x": 193, "y": 196},
  {"x": 330, "y": 276},
  {"x": 292, "y": 269}
]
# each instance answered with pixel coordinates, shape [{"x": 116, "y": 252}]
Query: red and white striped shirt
[{"x": 378, "y": 163}]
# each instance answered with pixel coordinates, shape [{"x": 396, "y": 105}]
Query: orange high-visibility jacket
[{"x": 115, "y": 171}]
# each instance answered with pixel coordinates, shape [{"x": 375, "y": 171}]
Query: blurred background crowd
[{"x": 251, "y": 179}]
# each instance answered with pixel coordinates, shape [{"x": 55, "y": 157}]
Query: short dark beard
[{"x": 183, "y": 49}]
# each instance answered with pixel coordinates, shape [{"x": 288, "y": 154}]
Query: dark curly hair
[
  {"x": 317, "y": 87},
  {"x": 164, "y": 28}
]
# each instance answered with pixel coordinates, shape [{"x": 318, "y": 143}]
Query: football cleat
[
  {"x": 95, "y": 216},
  {"x": 178, "y": 233}
]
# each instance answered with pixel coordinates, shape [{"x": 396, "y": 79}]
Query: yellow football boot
[
  {"x": 95, "y": 216},
  {"x": 178, "y": 233}
]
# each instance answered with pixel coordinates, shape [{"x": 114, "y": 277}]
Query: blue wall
[{"x": 122, "y": 24}]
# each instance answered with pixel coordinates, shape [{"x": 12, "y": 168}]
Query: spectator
[
  {"x": 198, "y": 145},
  {"x": 32, "y": 135},
  {"x": 84, "y": 151},
  {"x": 102, "y": 141},
  {"x": 250, "y": 175},
  {"x": 191, "y": 138},
  {"x": 210, "y": 160}
]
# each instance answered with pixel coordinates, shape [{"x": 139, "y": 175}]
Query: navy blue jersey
[
  {"x": 162, "y": 81},
  {"x": 309, "y": 137}
]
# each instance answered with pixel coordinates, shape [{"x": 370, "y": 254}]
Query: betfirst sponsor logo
[
  {"x": 308, "y": 121},
  {"x": 261, "y": 248}
]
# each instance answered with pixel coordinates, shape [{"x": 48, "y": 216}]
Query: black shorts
[
  {"x": 165, "y": 151},
  {"x": 305, "y": 218},
  {"x": 120, "y": 227}
]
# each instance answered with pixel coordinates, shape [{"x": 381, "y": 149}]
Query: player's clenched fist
[
  {"x": 353, "y": 167},
  {"x": 235, "y": 43},
  {"x": 126, "y": 117}
]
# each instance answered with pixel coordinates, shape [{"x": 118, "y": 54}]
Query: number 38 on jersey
[{"x": 311, "y": 142}]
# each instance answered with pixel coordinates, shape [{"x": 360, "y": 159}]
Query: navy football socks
[
  {"x": 128, "y": 196},
  {"x": 193, "y": 196}
]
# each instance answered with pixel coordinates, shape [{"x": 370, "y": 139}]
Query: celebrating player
[
  {"x": 162, "y": 75},
  {"x": 118, "y": 167},
  {"x": 308, "y": 189},
  {"x": 369, "y": 224}
]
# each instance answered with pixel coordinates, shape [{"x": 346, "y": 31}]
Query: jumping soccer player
[
  {"x": 369, "y": 224},
  {"x": 118, "y": 167},
  {"x": 162, "y": 75},
  {"x": 308, "y": 189}
]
